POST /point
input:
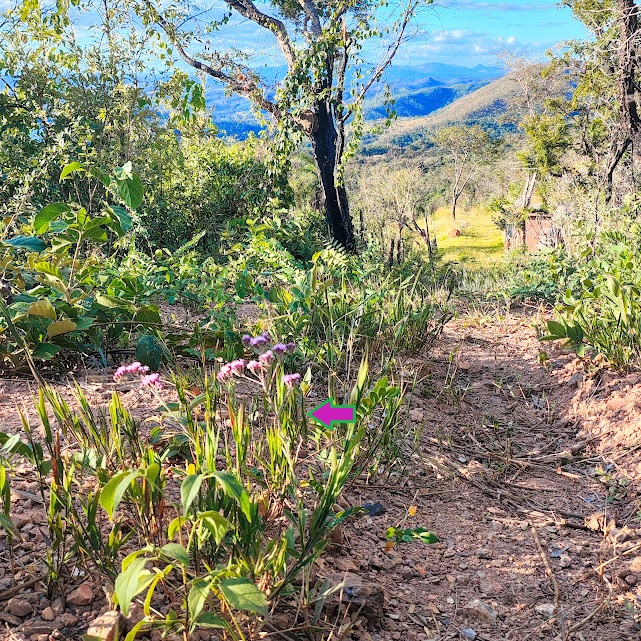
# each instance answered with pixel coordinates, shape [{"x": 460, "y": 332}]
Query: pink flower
[
  {"x": 224, "y": 373},
  {"x": 267, "y": 358},
  {"x": 254, "y": 367},
  {"x": 151, "y": 380},
  {"x": 237, "y": 366},
  {"x": 246, "y": 340},
  {"x": 132, "y": 368},
  {"x": 291, "y": 380}
]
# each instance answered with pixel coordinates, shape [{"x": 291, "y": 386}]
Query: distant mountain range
[
  {"x": 495, "y": 106},
  {"x": 418, "y": 90}
]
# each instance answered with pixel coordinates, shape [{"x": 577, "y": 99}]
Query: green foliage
[
  {"x": 251, "y": 517},
  {"x": 62, "y": 298},
  {"x": 198, "y": 183}
]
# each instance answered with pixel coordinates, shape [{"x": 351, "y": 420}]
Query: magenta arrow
[{"x": 327, "y": 413}]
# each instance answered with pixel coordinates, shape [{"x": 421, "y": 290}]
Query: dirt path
[
  {"x": 503, "y": 475},
  {"x": 527, "y": 472}
]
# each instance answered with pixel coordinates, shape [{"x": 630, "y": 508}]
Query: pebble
[
  {"x": 545, "y": 609},
  {"x": 48, "y": 614},
  {"x": 481, "y": 611},
  {"x": 565, "y": 561},
  {"x": 68, "y": 620},
  {"x": 468, "y": 633},
  {"x": 484, "y": 553},
  {"x": 82, "y": 595},
  {"x": 19, "y": 607}
]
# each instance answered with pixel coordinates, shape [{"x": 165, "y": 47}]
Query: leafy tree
[
  {"x": 327, "y": 77},
  {"x": 606, "y": 72},
  {"x": 468, "y": 147}
]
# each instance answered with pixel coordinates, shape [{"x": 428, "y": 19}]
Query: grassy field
[{"x": 480, "y": 242}]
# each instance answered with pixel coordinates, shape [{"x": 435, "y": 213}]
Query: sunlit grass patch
[{"x": 480, "y": 242}]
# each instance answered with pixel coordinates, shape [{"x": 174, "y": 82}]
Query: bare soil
[{"x": 526, "y": 468}]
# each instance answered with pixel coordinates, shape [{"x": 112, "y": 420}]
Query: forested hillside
[{"x": 320, "y": 321}]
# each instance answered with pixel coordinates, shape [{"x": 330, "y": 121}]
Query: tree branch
[
  {"x": 386, "y": 61},
  {"x": 242, "y": 85},
  {"x": 248, "y": 9}
]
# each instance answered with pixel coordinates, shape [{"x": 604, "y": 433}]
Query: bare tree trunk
[
  {"x": 390, "y": 262},
  {"x": 324, "y": 140}
]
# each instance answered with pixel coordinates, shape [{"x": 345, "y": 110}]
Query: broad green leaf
[
  {"x": 46, "y": 351},
  {"x": 113, "y": 492},
  {"x": 131, "y": 191},
  {"x": 175, "y": 525},
  {"x": 210, "y": 620},
  {"x": 49, "y": 269},
  {"x": 232, "y": 487},
  {"x": 111, "y": 302},
  {"x": 557, "y": 329},
  {"x": 217, "y": 524},
  {"x": 30, "y": 243},
  {"x": 189, "y": 490},
  {"x": 243, "y": 594},
  {"x": 123, "y": 217},
  {"x": 131, "y": 582},
  {"x": 176, "y": 551},
  {"x": 70, "y": 168},
  {"x": 198, "y": 593},
  {"x": 84, "y": 322},
  {"x": 43, "y": 308},
  {"x": 60, "y": 327},
  {"x": 47, "y": 214}
]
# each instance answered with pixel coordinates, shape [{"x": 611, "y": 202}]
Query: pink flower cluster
[
  {"x": 138, "y": 369},
  {"x": 266, "y": 358},
  {"x": 133, "y": 368},
  {"x": 229, "y": 369},
  {"x": 151, "y": 380},
  {"x": 291, "y": 380}
]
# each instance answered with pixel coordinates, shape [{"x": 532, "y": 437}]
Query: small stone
[
  {"x": 346, "y": 565},
  {"x": 57, "y": 606},
  {"x": 106, "y": 627},
  {"x": 450, "y": 600},
  {"x": 565, "y": 561},
  {"x": 361, "y": 595},
  {"x": 406, "y": 572},
  {"x": 20, "y": 520},
  {"x": 631, "y": 579},
  {"x": 468, "y": 633},
  {"x": 68, "y": 620},
  {"x": 483, "y": 553},
  {"x": 545, "y": 609},
  {"x": 48, "y": 614},
  {"x": 416, "y": 415},
  {"x": 394, "y": 617},
  {"x": 374, "y": 509},
  {"x": 19, "y": 607},
  {"x": 82, "y": 595},
  {"x": 482, "y": 611}
]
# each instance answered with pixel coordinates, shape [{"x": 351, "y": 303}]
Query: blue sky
[
  {"x": 464, "y": 32},
  {"x": 471, "y": 32}
]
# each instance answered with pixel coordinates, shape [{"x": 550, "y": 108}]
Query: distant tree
[
  {"x": 468, "y": 147},
  {"x": 395, "y": 199},
  {"x": 321, "y": 96}
]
